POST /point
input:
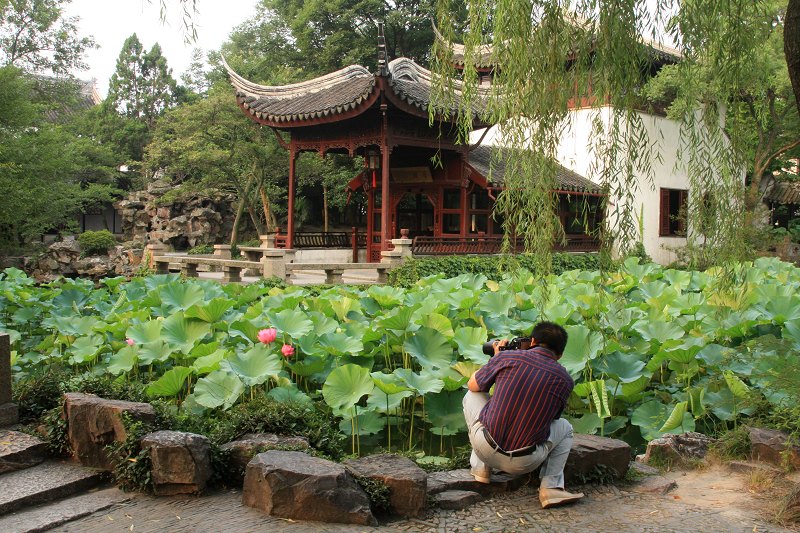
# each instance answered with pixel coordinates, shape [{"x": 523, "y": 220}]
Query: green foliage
[
  {"x": 732, "y": 445},
  {"x": 599, "y": 475},
  {"x": 132, "y": 464},
  {"x": 39, "y": 393},
  {"x": 96, "y": 242},
  {"x": 201, "y": 249},
  {"x": 493, "y": 267},
  {"x": 378, "y": 492},
  {"x": 55, "y": 427}
]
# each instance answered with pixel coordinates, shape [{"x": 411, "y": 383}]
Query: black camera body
[{"x": 517, "y": 343}]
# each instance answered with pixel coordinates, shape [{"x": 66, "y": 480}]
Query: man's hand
[{"x": 498, "y": 345}]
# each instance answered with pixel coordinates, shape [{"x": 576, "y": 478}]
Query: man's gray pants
[{"x": 552, "y": 454}]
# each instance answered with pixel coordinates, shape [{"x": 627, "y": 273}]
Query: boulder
[
  {"x": 461, "y": 479},
  {"x": 94, "y": 422},
  {"x": 675, "y": 448},
  {"x": 181, "y": 462},
  {"x": 297, "y": 486},
  {"x": 407, "y": 482},
  {"x": 19, "y": 450},
  {"x": 244, "y": 449},
  {"x": 773, "y": 447},
  {"x": 592, "y": 455},
  {"x": 456, "y": 499}
]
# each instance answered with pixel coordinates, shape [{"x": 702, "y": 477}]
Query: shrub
[
  {"x": 493, "y": 267},
  {"x": 96, "y": 242},
  {"x": 201, "y": 249}
]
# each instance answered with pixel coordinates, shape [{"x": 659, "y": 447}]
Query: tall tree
[
  {"x": 142, "y": 86},
  {"x": 35, "y": 36}
]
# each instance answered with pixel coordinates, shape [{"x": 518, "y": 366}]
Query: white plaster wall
[
  {"x": 329, "y": 256},
  {"x": 575, "y": 153}
]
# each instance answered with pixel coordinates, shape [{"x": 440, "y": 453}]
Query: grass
[{"x": 789, "y": 508}]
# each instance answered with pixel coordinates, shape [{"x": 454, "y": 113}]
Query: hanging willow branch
[{"x": 549, "y": 56}]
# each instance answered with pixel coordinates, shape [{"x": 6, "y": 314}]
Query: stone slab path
[{"x": 605, "y": 508}]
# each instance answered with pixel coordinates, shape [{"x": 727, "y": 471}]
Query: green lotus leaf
[
  {"x": 343, "y": 306},
  {"x": 495, "y": 303},
  {"x": 675, "y": 418},
  {"x": 84, "y": 349},
  {"x": 792, "y": 330},
  {"x": 624, "y": 368},
  {"x": 170, "y": 384},
  {"x": 583, "y": 345},
  {"x": 122, "y": 361},
  {"x": 211, "y": 311},
  {"x": 244, "y": 329},
  {"x": 466, "y": 368},
  {"x": 650, "y": 417},
  {"x": 179, "y": 296},
  {"x": 323, "y": 324},
  {"x": 366, "y": 423},
  {"x": 151, "y": 352},
  {"x": 73, "y": 325},
  {"x": 208, "y": 363},
  {"x": 439, "y": 323},
  {"x": 452, "y": 384},
  {"x": 386, "y": 295},
  {"x": 346, "y": 385},
  {"x": 430, "y": 348},
  {"x": 782, "y": 308},
  {"x": 341, "y": 344},
  {"x": 145, "y": 332},
  {"x": 389, "y": 383},
  {"x": 614, "y": 424},
  {"x": 183, "y": 333},
  {"x": 658, "y": 330},
  {"x": 219, "y": 388},
  {"x": 398, "y": 321},
  {"x": 444, "y": 410},
  {"x": 69, "y": 301},
  {"x": 367, "y": 332},
  {"x": 588, "y": 424},
  {"x": 290, "y": 395},
  {"x": 255, "y": 366},
  {"x": 423, "y": 383},
  {"x": 310, "y": 365},
  {"x": 391, "y": 404},
  {"x": 736, "y": 385},
  {"x": 290, "y": 322},
  {"x": 679, "y": 279}
]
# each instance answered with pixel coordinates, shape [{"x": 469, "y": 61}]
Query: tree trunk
[
  {"x": 236, "y": 220},
  {"x": 269, "y": 216},
  {"x": 325, "y": 207},
  {"x": 791, "y": 46}
]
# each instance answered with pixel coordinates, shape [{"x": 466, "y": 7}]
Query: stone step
[
  {"x": 20, "y": 450},
  {"x": 45, "y": 482},
  {"x": 52, "y": 514}
]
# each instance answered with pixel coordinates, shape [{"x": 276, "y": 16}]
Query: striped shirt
[{"x": 530, "y": 391}]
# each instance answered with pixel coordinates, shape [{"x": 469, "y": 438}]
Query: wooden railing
[
  {"x": 323, "y": 240},
  {"x": 491, "y": 245}
]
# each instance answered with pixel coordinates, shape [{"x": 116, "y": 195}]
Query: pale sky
[{"x": 110, "y": 22}]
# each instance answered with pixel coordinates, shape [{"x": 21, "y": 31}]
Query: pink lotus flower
[
  {"x": 267, "y": 335},
  {"x": 287, "y": 350},
  {"x": 130, "y": 341}
]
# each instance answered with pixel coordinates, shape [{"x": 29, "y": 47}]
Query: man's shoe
[
  {"x": 553, "y": 497},
  {"x": 481, "y": 476}
]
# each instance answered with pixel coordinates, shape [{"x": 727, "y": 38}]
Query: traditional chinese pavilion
[{"x": 383, "y": 117}]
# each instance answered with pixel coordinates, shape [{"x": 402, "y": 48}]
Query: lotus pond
[{"x": 652, "y": 350}]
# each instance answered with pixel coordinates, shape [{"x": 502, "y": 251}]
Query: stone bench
[
  {"x": 333, "y": 271},
  {"x": 231, "y": 269}
]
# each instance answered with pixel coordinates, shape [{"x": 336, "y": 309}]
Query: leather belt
[{"x": 514, "y": 453}]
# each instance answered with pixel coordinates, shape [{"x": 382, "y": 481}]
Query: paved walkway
[{"x": 605, "y": 509}]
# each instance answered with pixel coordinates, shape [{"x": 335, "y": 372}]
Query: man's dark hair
[{"x": 550, "y": 335}]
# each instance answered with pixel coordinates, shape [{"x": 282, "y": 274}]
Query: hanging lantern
[{"x": 374, "y": 163}]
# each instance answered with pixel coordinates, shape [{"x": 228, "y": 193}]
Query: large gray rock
[
  {"x": 591, "y": 454},
  {"x": 407, "y": 482},
  {"x": 244, "y": 449},
  {"x": 295, "y": 485},
  {"x": 773, "y": 447},
  {"x": 461, "y": 479},
  {"x": 94, "y": 422},
  {"x": 675, "y": 448},
  {"x": 181, "y": 462},
  {"x": 456, "y": 499},
  {"x": 20, "y": 450}
]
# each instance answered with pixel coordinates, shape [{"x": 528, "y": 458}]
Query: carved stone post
[
  {"x": 222, "y": 251},
  {"x": 8, "y": 410}
]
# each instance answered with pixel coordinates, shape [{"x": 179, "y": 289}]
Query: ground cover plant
[{"x": 653, "y": 350}]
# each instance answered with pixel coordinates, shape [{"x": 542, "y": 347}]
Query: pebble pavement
[{"x": 604, "y": 509}]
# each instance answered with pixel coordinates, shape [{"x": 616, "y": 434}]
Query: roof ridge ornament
[{"x": 382, "y": 59}]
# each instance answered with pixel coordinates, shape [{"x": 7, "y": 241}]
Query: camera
[{"x": 517, "y": 343}]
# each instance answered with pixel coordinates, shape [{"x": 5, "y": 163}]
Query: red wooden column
[
  {"x": 385, "y": 201},
  {"x": 290, "y": 214}
]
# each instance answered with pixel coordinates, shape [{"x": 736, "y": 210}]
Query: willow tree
[{"x": 546, "y": 52}]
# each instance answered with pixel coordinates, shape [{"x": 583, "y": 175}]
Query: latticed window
[{"x": 673, "y": 212}]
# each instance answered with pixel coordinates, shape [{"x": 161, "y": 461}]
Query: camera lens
[{"x": 488, "y": 347}]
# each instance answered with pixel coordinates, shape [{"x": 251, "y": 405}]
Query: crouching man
[{"x": 518, "y": 427}]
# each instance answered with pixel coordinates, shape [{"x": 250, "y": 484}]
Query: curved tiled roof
[
  {"x": 484, "y": 158},
  {"x": 412, "y": 83},
  {"x": 327, "y": 95},
  {"x": 783, "y": 192}
]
